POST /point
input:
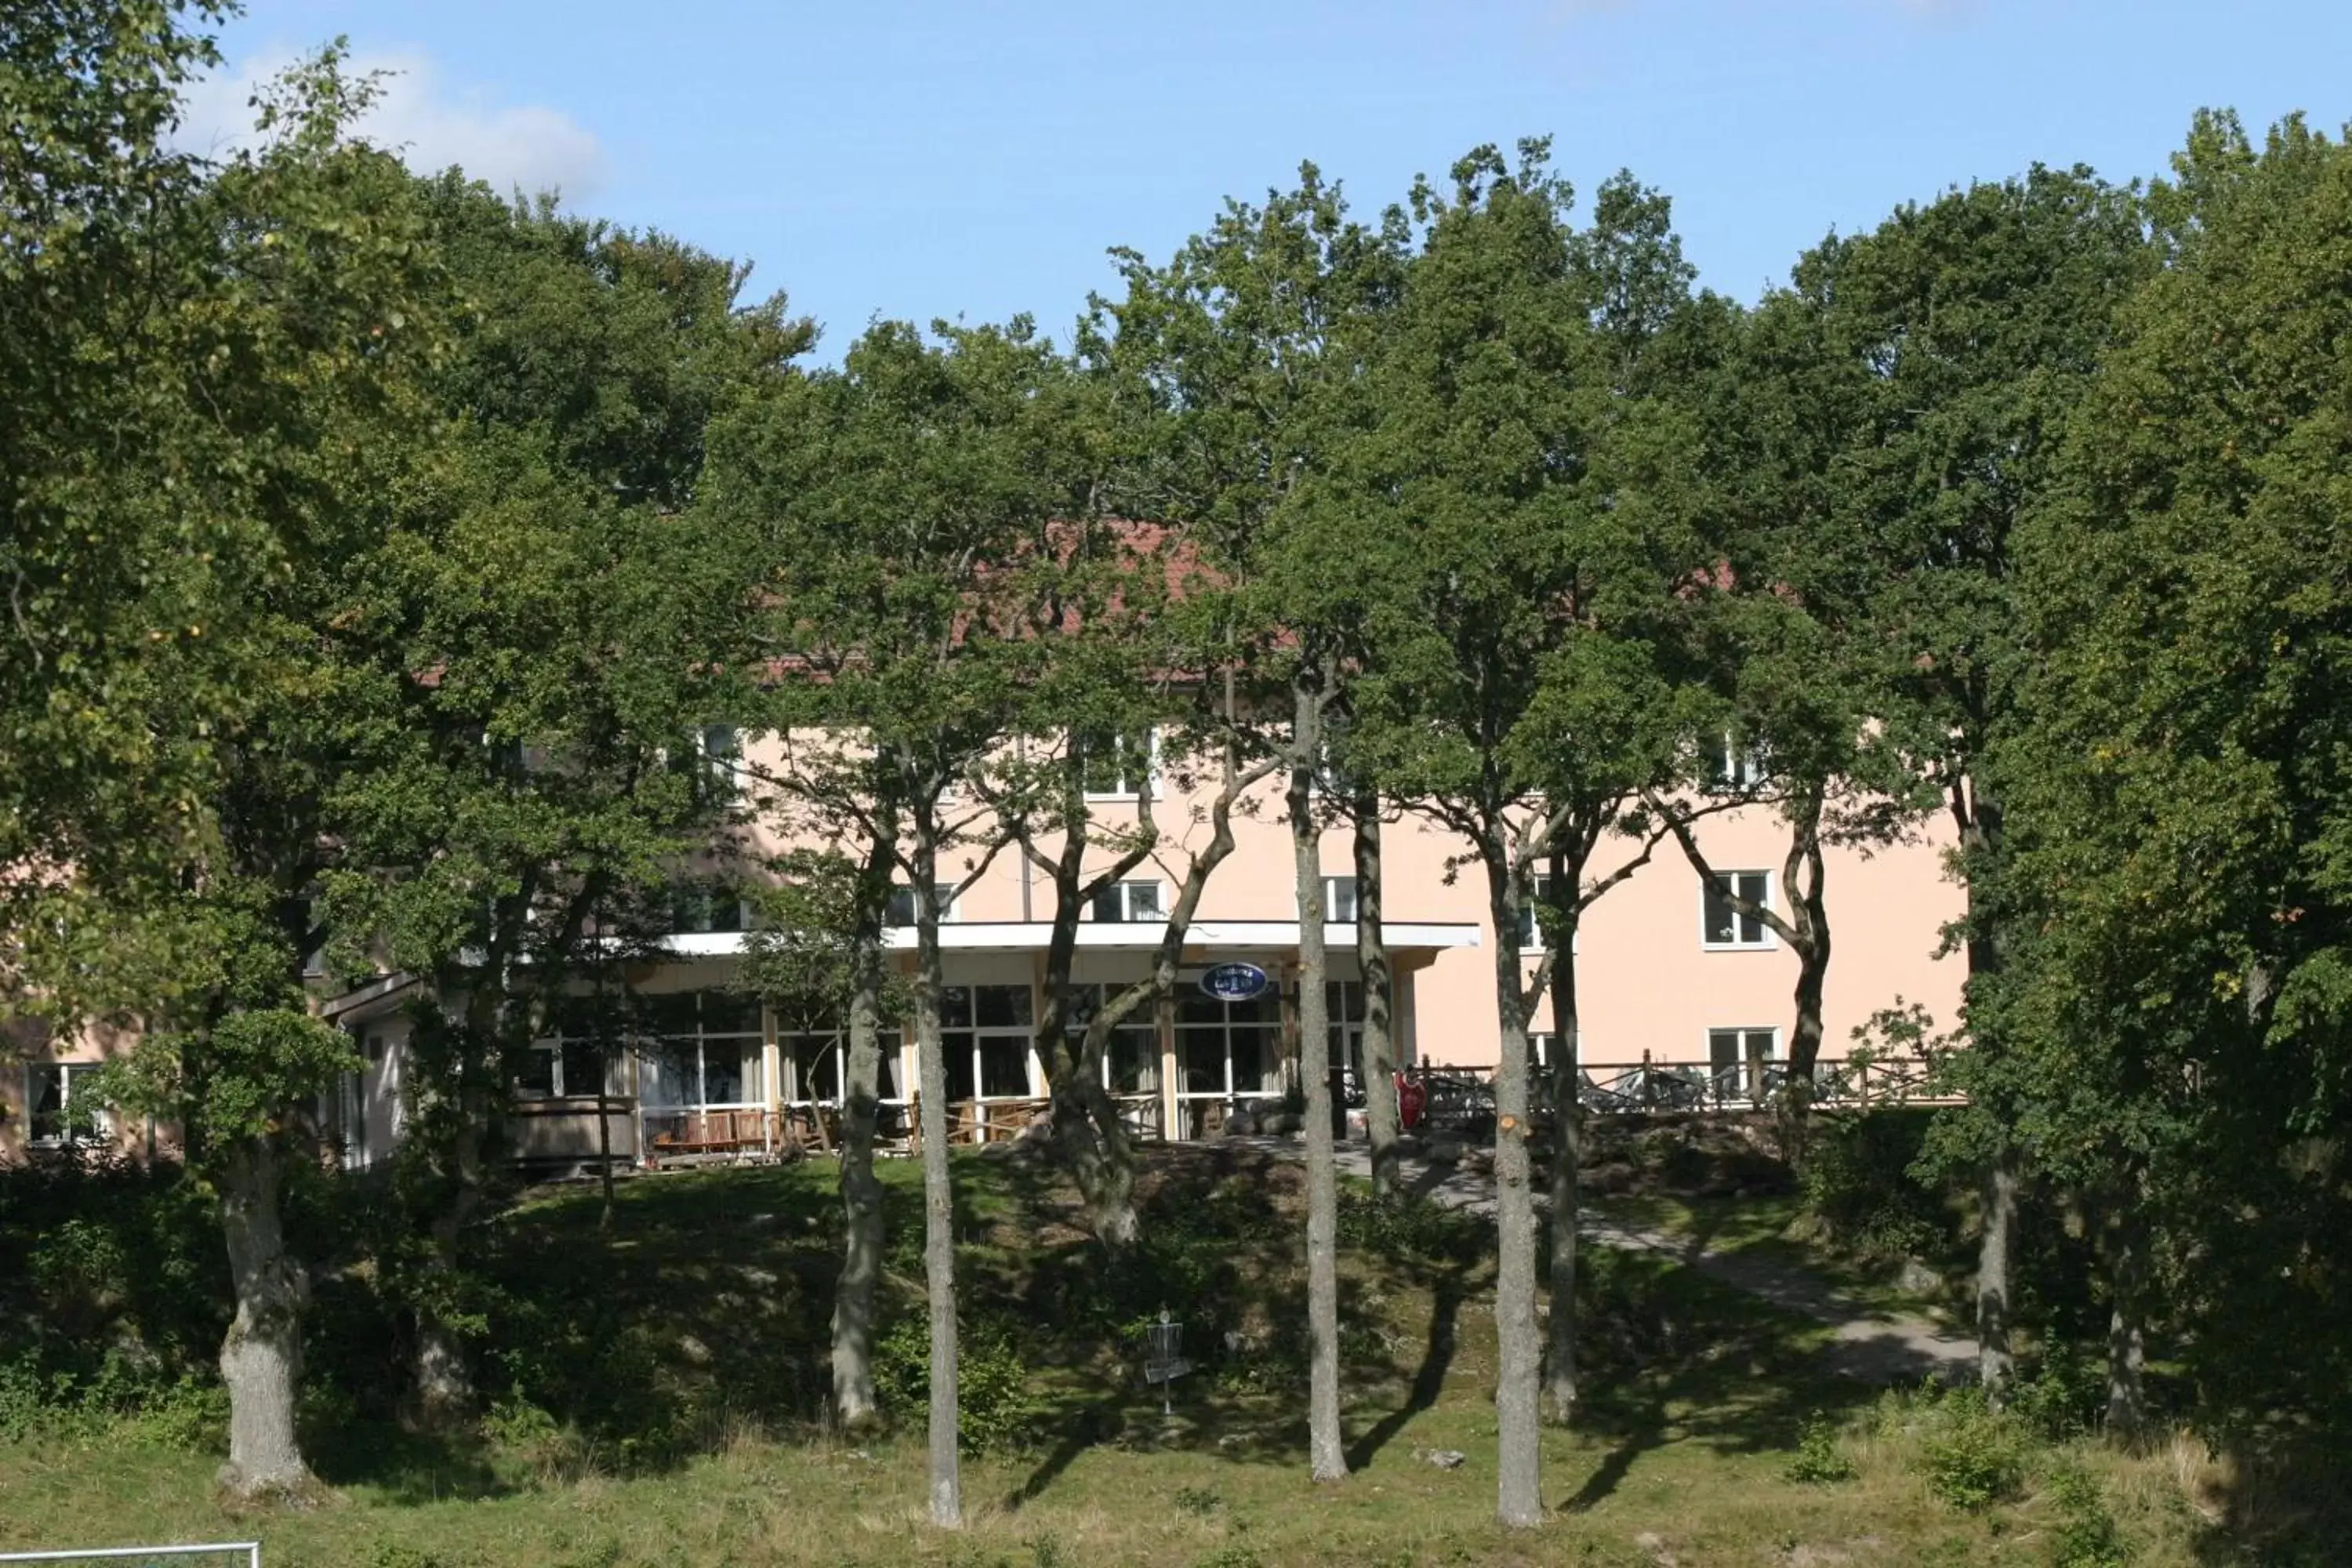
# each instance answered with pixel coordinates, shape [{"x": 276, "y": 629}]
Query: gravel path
[{"x": 1869, "y": 1344}]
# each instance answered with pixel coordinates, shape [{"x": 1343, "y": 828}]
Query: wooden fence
[{"x": 1453, "y": 1098}]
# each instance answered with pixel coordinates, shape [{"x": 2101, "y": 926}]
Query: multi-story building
[{"x": 1666, "y": 972}]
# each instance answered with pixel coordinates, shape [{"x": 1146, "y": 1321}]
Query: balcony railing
[
  {"x": 711, "y": 1132},
  {"x": 1454, "y": 1098}
]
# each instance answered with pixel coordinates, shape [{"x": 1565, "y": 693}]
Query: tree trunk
[
  {"x": 854, "y": 1405},
  {"x": 1372, "y": 962},
  {"x": 1088, "y": 1139},
  {"x": 1567, "y": 1145},
  {"x": 1518, "y": 1458},
  {"x": 1980, "y": 835},
  {"x": 1809, "y": 905},
  {"x": 444, "y": 1378},
  {"x": 1326, "y": 1451},
  {"x": 1095, "y": 1147},
  {"x": 1803, "y": 880},
  {"x": 445, "y": 1387},
  {"x": 1996, "y": 1368},
  {"x": 604, "y": 1139},
  {"x": 939, "y": 1194},
  {"x": 261, "y": 1358},
  {"x": 2126, "y": 1335}
]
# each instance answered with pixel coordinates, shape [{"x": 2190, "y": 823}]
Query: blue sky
[{"x": 920, "y": 158}]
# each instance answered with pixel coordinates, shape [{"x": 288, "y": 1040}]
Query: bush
[
  {"x": 132, "y": 1400},
  {"x": 994, "y": 1408},
  {"x": 1974, "y": 1455},
  {"x": 1230, "y": 1557},
  {"x": 1198, "y": 1501},
  {"x": 1858, "y": 1183},
  {"x": 1818, "y": 1461},
  {"x": 2065, "y": 1396},
  {"x": 532, "y": 1438},
  {"x": 1411, "y": 1227},
  {"x": 2084, "y": 1535}
]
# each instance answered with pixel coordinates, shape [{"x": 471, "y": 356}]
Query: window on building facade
[
  {"x": 61, "y": 1104},
  {"x": 815, "y": 1063},
  {"x": 1720, "y": 925},
  {"x": 1118, "y": 765},
  {"x": 577, "y": 1054},
  {"x": 1340, "y": 899},
  {"x": 707, "y": 905},
  {"x": 1343, "y": 1012},
  {"x": 984, "y": 1033},
  {"x": 901, "y": 911},
  {"x": 1738, "y": 1059},
  {"x": 351, "y": 1118},
  {"x": 700, "y": 1048},
  {"x": 718, "y": 764},
  {"x": 1131, "y": 1063},
  {"x": 1138, "y": 903},
  {"x": 1531, "y": 936},
  {"x": 1734, "y": 765},
  {"x": 1228, "y": 1050}
]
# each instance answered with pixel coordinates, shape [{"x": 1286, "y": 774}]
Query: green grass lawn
[
  {"x": 657, "y": 1379},
  {"x": 1765, "y": 1225}
]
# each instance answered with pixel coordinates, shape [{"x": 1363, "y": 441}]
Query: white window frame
[
  {"x": 1765, "y": 940},
  {"x": 943, "y": 893},
  {"x": 1531, "y": 942},
  {"x": 710, "y": 891},
  {"x": 1130, "y": 788},
  {"x": 101, "y": 1121},
  {"x": 1733, "y": 768},
  {"x": 1340, "y": 892},
  {"x": 1706, "y": 1038},
  {"x": 350, "y": 1114},
  {"x": 984, "y": 1034},
  {"x": 722, "y": 772},
  {"x": 1740, "y": 1065},
  {"x": 753, "y": 1069},
  {"x": 889, "y": 1045},
  {"x": 1227, "y": 1092},
  {"x": 551, "y": 1047},
  {"x": 1126, "y": 895}
]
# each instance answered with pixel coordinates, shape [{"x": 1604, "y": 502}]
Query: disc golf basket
[{"x": 1163, "y": 1365}]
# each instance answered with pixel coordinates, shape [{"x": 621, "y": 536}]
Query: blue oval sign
[{"x": 1233, "y": 982}]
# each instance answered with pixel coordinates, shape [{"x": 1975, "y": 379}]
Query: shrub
[
  {"x": 1818, "y": 1460},
  {"x": 2064, "y": 1394},
  {"x": 394, "y": 1555},
  {"x": 528, "y": 1434},
  {"x": 1858, "y": 1183},
  {"x": 994, "y": 1408},
  {"x": 1974, "y": 1455},
  {"x": 2084, "y": 1535},
  {"x": 1236, "y": 1556},
  {"x": 1402, "y": 1226}
]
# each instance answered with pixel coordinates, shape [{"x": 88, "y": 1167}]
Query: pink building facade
[{"x": 1663, "y": 974}]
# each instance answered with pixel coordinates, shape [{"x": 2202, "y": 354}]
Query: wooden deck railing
[
  {"x": 694, "y": 1134},
  {"x": 1455, "y": 1097}
]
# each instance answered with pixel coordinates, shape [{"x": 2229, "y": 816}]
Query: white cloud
[{"x": 428, "y": 123}]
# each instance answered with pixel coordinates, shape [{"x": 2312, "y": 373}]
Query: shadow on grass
[
  {"x": 1682, "y": 1359},
  {"x": 1447, "y": 1290},
  {"x": 407, "y": 1469}
]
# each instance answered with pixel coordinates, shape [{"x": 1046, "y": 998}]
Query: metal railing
[
  {"x": 249, "y": 1550},
  {"x": 1455, "y": 1097}
]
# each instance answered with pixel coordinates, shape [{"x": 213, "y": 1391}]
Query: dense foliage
[{"x": 385, "y": 568}]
